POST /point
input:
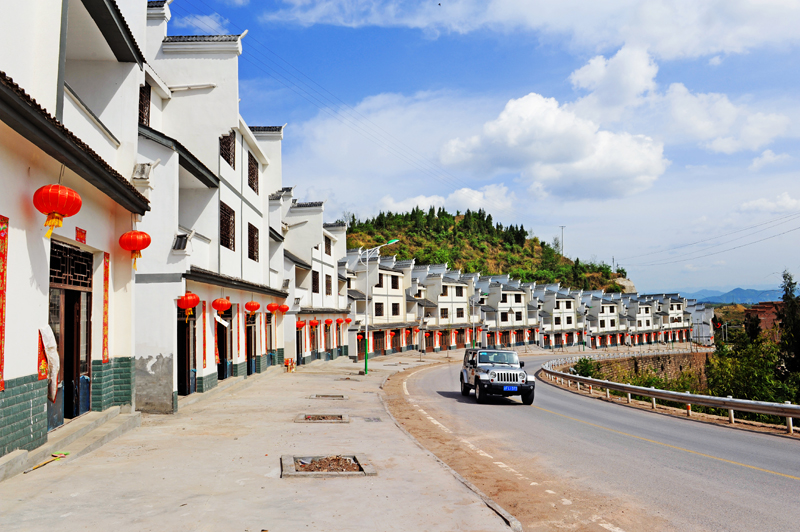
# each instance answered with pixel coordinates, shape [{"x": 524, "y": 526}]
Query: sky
[{"x": 662, "y": 134}]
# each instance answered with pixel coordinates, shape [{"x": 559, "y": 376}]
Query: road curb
[{"x": 510, "y": 520}]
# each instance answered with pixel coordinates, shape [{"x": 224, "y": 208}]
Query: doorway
[
  {"x": 225, "y": 345},
  {"x": 187, "y": 349},
  {"x": 70, "y": 317},
  {"x": 250, "y": 342},
  {"x": 298, "y": 342}
]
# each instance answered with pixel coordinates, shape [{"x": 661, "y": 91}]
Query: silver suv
[{"x": 495, "y": 372}]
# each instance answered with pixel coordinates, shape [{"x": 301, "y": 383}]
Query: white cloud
[
  {"x": 715, "y": 61},
  {"x": 558, "y": 152},
  {"x": 783, "y": 203},
  {"x": 768, "y": 157},
  {"x": 462, "y": 199},
  {"x": 213, "y": 24},
  {"x": 669, "y": 28}
]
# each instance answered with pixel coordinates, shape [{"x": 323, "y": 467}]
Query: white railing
[{"x": 786, "y": 410}]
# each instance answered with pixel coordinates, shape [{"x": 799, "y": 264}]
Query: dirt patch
[
  {"x": 329, "y": 464},
  {"x": 538, "y": 498}
]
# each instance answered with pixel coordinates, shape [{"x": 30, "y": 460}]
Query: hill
[
  {"x": 472, "y": 242},
  {"x": 701, "y": 294},
  {"x": 745, "y": 296}
]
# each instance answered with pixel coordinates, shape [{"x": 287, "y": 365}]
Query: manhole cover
[
  {"x": 322, "y": 418},
  {"x": 338, "y": 465},
  {"x": 330, "y": 396}
]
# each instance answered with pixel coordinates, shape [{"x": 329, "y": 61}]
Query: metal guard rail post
[{"x": 784, "y": 410}]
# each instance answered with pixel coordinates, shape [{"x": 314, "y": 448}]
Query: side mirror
[{"x": 522, "y": 363}]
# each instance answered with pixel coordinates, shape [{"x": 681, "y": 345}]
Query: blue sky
[{"x": 662, "y": 134}]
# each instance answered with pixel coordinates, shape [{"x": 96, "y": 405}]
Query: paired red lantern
[
  {"x": 57, "y": 202},
  {"x": 221, "y": 305},
  {"x": 135, "y": 242},
  {"x": 272, "y": 307},
  {"x": 347, "y": 321},
  {"x": 300, "y": 324},
  {"x": 187, "y": 302},
  {"x": 252, "y": 307},
  {"x": 339, "y": 321},
  {"x": 284, "y": 308},
  {"x": 328, "y": 322},
  {"x": 313, "y": 323}
]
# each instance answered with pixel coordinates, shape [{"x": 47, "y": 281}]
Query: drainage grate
[
  {"x": 289, "y": 466},
  {"x": 372, "y": 419},
  {"x": 322, "y": 418},
  {"x": 328, "y": 396}
]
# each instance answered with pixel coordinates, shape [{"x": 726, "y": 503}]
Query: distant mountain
[
  {"x": 702, "y": 294},
  {"x": 744, "y": 296}
]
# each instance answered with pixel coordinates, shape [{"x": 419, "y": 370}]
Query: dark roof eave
[
  {"x": 34, "y": 123},
  {"x": 115, "y": 30},
  {"x": 187, "y": 160},
  {"x": 200, "y": 275},
  {"x": 296, "y": 260},
  {"x": 276, "y": 236}
]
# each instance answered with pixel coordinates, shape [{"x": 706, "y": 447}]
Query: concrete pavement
[{"x": 215, "y": 465}]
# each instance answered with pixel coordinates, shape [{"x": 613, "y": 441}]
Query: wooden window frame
[
  {"x": 144, "y": 104},
  {"x": 379, "y": 309},
  {"x": 444, "y": 313},
  {"x": 395, "y": 309},
  {"x": 252, "y": 172},
  {"x": 315, "y": 282},
  {"x": 395, "y": 282},
  {"x": 227, "y": 149},
  {"x": 252, "y": 242},
  {"x": 328, "y": 285},
  {"x": 328, "y": 244},
  {"x": 227, "y": 226}
]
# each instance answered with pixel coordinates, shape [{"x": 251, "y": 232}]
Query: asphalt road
[{"x": 697, "y": 476}]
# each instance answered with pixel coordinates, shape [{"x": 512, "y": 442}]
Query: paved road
[{"x": 694, "y": 475}]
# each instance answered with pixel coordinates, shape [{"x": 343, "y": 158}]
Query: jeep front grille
[{"x": 507, "y": 376}]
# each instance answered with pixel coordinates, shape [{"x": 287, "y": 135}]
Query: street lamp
[{"x": 369, "y": 252}]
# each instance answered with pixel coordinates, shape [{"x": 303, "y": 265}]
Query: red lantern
[
  {"x": 328, "y": 322},
  {"x": 391, "y": 333},
  {"x": 360, "y": 337},
  {"x": 252, "y": 307},
  {"x": 408, "y": 331},
  {"x": 284, "y": 308},
  {"x": 221, "y": 305},
  {"x": 313, "y": 323},
  {"x": 339, "y": 321},
  {"x": 347, "y": 321},
  {"x": 135, "y": 242},
  {"x": 416, "y": 330},
  {"x": 272, "y": 307},
  {"x": 300, "y": 324},
  {"x": 187, "y": 302},
  {"x": 480, "y": 330},
  {"x": 57, "y": 202},
  {"x": 427, "y": 334}
]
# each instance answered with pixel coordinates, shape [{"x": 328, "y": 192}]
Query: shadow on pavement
[{"x": 490, "y": 400}]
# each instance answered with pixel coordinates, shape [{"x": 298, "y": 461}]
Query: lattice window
[
  {"x": 459, "y": 313},
  {"x": 328, "y": 285},
  {"x": 444, "y": 290},
  {"x": 395, "y": 309},
  {"x": 459, "y": 291},
  {"x": 395, "y": 282},
  {"x": 227, "y": 226},
  {"x": 517, "y": 298},
  {"x": 327, "y": 246},
  {"x": 252, "y": 242},
  {"x": 379, "y": 309},
  {"x": 227, "y": 148},
  {"x": 144, "y": 105},
  {"x": 315, "y": 282},
  {"x": 444, "y": 313},
  {"x": 518, "y": 316},
  {"x": 70, "y": 266},
  {"x": 252, "y": 172}
]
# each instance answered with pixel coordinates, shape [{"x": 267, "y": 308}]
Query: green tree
[{"x": 789, "y": 316}]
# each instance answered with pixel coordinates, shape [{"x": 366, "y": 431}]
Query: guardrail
[{"x": 786, "y": 410}]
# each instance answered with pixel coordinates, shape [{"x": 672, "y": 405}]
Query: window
[
  {"x": 504, "y": 316},
  {"x": 504, "y": 298},
  {"x": 556, "y": 321},
  {"x": 677, "y": 307},
  {"x": 444, "y": 290},
  {"x": 327, "y": 246},
  {"x": 252, "y": 242},
  {"x": 315, "y": 282},
  {"x": 569, "y": 320},
  {"x": 517, "y": 298},
  {"x": 459, "y": 313},
  {"x": 380, "y": 281},
  {"x": 612, "y": 309},
  {"x": 227, "y": 226},
  {"x": 328, "y": 285},
  {"x": 144, "y": 105},
  {"x": 459, "y": 291},
  {"x": 348, "y": 283},
  {"x": 602, "y": 323},
  {"x": 638, "y": 323},
  {"x": 647, "y": 310},
  {"x": 418, "y": 294},
  {"x": 395, "y": 309},
  {"x": 558, "y": 305},
  {"x": 379, "y": 309},
  {"x": 613, "y": 323},
  {"x": 227, "y": 148},
  {"x": 444, "y": 313},
  {"x": 648, "y": 323},
  {"x": 672, "y": 307},
  {"x": 568, "y": 304},
  {"x": 518, "y": 316},
  {"x": 395, "y": 282},
  {"x": 252, "y": 172}
]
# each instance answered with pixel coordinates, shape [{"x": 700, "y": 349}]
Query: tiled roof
[
  {"x": 156, "y": 3},
  {"x": 275, "y": 196},
  {"x": 202, "y": 38},
  {"x": 426, "y": 303},
  {"x": 308, "y": 204},
  {"x": 334, "y": 224},
  {"x": 487, "y": 308},
  {"x": 266, "y": 129},
  {"x": 26, "y": 100},
  {"x": 201, "y": 275},
  {"x": 297, "y": 260},
  {"x": 357, "y": 295},
  {"x": 322, "y": 310}
]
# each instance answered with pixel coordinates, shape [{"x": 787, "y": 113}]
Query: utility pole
[
  {"x": 612, "y": 263},
  {"x": 562, "y": 239}
]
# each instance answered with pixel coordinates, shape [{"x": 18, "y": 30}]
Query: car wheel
[
  {"x": 527, "y": 398},
  {"x": 480, "y": 395},
  {"x": 464, "y": 388}
]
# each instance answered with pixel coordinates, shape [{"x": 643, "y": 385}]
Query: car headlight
[
  {"x": 492, "y": 375},
  {"x": 522, "y": 377}
]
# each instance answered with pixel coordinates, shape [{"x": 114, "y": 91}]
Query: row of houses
[
  {"x": 433, "y": 308},
  {"x": 149, "y": 247}
]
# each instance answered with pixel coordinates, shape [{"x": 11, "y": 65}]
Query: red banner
[
  {"x": 216, "y": 345},
  {"x": 204, "y": 334},
  {"x": 3, "y": 274},
  {"x": 41, "y": 365},
  {"x": 106, "y": 261}
]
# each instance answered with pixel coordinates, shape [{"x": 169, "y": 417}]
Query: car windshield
[{"x": 497, "y": 357}]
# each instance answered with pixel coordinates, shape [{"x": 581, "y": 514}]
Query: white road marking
[
  {"x": 534, "y": 483},
  {"x": 610, "y": 527},
  {"x": 480, "y": 452},
  {"x": 405, "y": 389}
]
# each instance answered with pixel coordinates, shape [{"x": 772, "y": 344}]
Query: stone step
[{"x": 103, "y": 434}]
